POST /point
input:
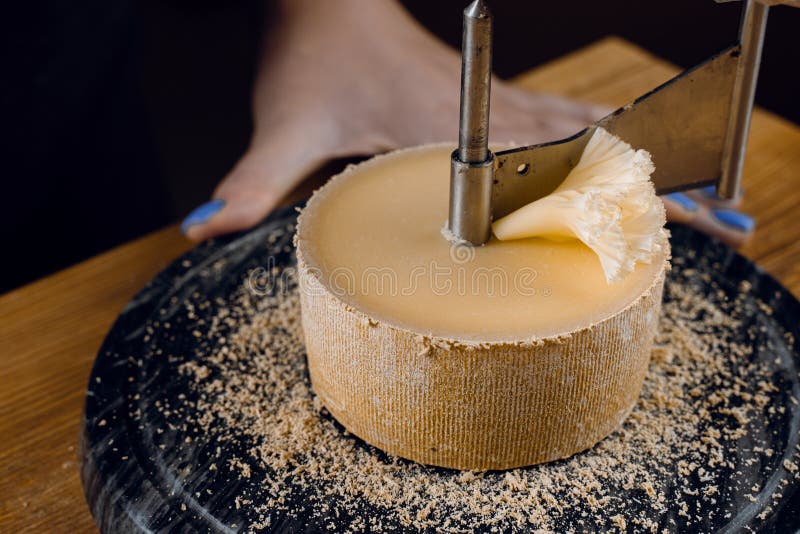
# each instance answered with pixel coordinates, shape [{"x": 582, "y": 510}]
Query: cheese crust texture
[{"x": 476, "y": 379}]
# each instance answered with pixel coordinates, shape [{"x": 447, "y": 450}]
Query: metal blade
[{"x": 682, "y": 124}]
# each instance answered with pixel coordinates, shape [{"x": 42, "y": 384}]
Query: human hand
[
  {"x": 703, "y": 210},
  {"x": 352, "y": 78},
  {"x": 356, "y": 78}
]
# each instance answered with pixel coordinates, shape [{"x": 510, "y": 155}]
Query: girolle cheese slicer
[{"x": 695, "y": 127}]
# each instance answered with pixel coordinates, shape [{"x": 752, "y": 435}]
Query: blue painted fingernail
[
  {"x": 709, "y": 192},
  {"x": 202, "y": 214},
  {"x": 735, "y": 219},
  {"x": 684, "y": 201}
]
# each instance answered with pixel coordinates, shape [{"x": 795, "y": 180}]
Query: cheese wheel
[{"x": 506, "y": 355}]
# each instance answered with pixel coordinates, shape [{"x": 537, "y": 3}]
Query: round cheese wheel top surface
[{"x": 373, "y": 236}]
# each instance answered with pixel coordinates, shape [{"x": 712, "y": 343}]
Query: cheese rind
[{"x": 460, "y": 401}]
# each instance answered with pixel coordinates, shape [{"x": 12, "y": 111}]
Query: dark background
[{"x": 119, "y": 116}]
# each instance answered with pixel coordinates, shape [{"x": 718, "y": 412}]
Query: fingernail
[
  {"x": 683, "y": 201},
  {"x": 202, "y": 214},
  {"x": 709, "y": 191},
  {"x": 735, "y": 219}
]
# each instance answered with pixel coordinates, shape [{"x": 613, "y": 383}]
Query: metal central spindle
[
  {"x": 472, "y": 165},
  {"x": 751, "y": 36},
  {"x": 476, "y": 79}
]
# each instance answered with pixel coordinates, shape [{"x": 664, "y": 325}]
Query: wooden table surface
[{"x": 51, "y": 330}]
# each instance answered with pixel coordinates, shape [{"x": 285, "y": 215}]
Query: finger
[
  {"x": 577, "y": 110},
  {"x": 728, "y": 225},
  {"x": 708, "y": 196},
  {"x": 680, "y": 208},
  {"x": 243, "y": 198},
  {"x": 248, "y": 193},
  {"x": 527, "y": 117}
]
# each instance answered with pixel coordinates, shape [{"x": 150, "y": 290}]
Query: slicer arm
[{"x": 695, "y": 126}]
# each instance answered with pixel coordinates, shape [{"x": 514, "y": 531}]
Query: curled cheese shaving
[{"x": 607, "y": 201}]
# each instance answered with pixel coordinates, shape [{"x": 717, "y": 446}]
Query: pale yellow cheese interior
[{"x": 377, "y": 244}]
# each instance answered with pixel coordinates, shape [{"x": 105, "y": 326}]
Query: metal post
[
  {"x": 472, "y": 165},
  {"x": 751, "y": 35}
]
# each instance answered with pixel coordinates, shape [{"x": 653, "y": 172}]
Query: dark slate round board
[{"x": 133, "y": 484}]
